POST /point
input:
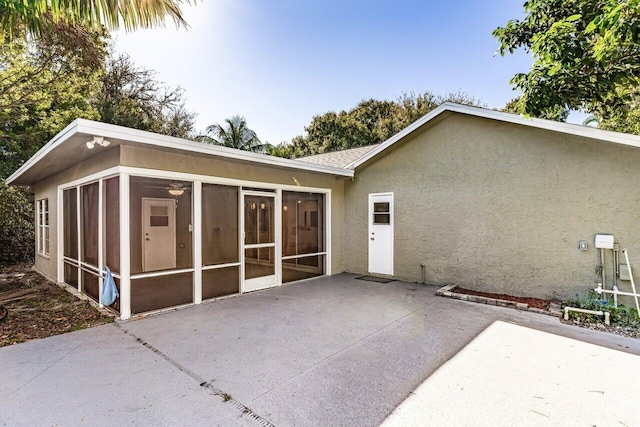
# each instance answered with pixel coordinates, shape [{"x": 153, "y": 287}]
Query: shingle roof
[{"x": 338, "y": 159}]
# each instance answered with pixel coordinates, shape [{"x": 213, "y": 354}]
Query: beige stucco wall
[
  {"x": 48, "y": 188},
  {"x": 141, "y": 157},
  {"x": 499, "y": 207}
]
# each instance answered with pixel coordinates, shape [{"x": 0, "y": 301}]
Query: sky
[{"x": 278, "y": 63}]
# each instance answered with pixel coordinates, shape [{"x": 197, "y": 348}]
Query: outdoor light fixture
[
  {"x": 97, "y": 140},
  {"x": 176, "y": 192}
]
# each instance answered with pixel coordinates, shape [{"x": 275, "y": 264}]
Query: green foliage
[
  {"x": 44, "y": 85},
  {"x": 370, "y": 122},
  {"x": 16, "y": 225},
  {"x": 558, "y": 113},
  {"x": 283, "y": 149},
  {"x": 234, "y": 134},
  {"x": 131, "y": 96},
  {"x": 620, "y": 316},
  {"x": 586, "y": 56},
  {"x": 42, "y": 17}
]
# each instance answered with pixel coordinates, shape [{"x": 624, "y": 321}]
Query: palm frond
[{"x": 36, "y": 16}]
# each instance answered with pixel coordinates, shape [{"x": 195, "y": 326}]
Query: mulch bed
[
  {"x": 542, "y": 304},
  {"x": 38, "y": 308}
]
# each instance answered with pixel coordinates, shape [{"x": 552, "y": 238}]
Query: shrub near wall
[{"x": 16, "y": 225}]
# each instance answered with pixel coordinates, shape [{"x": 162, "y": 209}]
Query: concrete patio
[{"x": 328, "y": 351}]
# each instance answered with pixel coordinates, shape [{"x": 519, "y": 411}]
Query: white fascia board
[
  {"x": 62, "y": 136},
  {"x": 119, "y": 132},
  {"x": 566, "y": 128},
  {"x": 398, "y": 136}
]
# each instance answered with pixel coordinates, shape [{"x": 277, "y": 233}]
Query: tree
[
  {"x": 558, "y": 113},
  {"x": 370, "y": 122},
  {"x": 44, "y": 85},
  {"x": 283, "y": 149},
  {"x": 586, "y": 56},
  {"x": 131, "y": 96},
  {"x": 43, "y": 17},
  {"x": 235, "y": 134}
]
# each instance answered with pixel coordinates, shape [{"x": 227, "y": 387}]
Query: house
[{"x": 484, "y": 199}]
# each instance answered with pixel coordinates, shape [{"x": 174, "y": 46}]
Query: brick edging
[{"x": 448, "y": 291}]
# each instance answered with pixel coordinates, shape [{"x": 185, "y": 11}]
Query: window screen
[{"x": 381, "y": 213}]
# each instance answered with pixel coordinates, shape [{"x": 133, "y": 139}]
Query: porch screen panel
[
  {"x": 219, "y": 224},
  {"x": 302, "y": 223},
  {"x": 111, "y": 215},
  {"x": 151, "y": 201},
  {"x": 71, "y": 275},
  {"x": 70, "y": 224},
  {"x": 259, "y": 262},
  {"x": 303, "y": 235},
  {"x": 90, "y": 284},
  {"x": 220, "y": 281},
  {"x": 89, "y": 223},
  {"x": 302, "y": 268},
  {"x": 154, "y": 293}
]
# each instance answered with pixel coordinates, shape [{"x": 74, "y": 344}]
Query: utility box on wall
[{"x": 604, "y": 241}]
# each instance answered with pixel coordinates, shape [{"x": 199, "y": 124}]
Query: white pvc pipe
[
  {"x": 633, "y": 285},
  {"x": 606, "y": 314},
  {"x": 615, "y": 292},
  {"x": 602, "y": 267}
]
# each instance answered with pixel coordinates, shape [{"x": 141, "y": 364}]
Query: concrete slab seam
[
  {"x": 340, "y": 351},
  {"x": 226, "y": 397}
]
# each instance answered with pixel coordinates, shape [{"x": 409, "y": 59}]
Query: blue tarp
[{"x": 109, "y": 290}]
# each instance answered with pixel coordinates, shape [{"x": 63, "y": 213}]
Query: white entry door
[
  {"x": 381, "y": 233},
  {"x": 259, "y": 246},
  {"x": 158, "y": 234}
]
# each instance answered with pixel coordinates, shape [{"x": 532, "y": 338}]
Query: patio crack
[
  {"x": 226, "y": 397},
  {"x": 340, "y": 351}
]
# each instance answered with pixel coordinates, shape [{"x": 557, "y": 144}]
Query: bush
[
  {"x": 620, "y": 316},
  {"x": 17, "y": 226}
]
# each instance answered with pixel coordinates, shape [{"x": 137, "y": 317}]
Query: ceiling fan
[{"x": 174, "y": 188}]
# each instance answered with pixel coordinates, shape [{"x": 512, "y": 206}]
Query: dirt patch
[
  {"x": 542, "y": 304},
  {"x": 38, "y": 308}
]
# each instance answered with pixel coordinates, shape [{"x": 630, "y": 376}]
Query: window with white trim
[{"x": 42, "y": 213}]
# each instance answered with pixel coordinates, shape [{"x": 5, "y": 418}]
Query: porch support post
[
  {"x": 100, "y": 239},
  {"x": 79, "y": 227},
  {"x": 60, "y": 236},
  {"x": 328, "y": 216},
  {"x": 278, "y": 235},
  {"x": 197, "y": 242},
  {"x": 125, "y": 249}
]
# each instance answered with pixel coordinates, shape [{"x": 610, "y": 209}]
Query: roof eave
[{"x": 90, "y": 127}]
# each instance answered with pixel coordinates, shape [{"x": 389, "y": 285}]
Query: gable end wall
[{"x": 499, "y": 207}]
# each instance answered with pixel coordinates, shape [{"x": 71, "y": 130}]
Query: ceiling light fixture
[
  {"x": 176, "y": 192},
  {"x": 99, "y": 140}
]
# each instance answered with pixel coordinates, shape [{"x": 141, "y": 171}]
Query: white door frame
[
  {"x": 370, "y": 236},
  {"x": 272, "y": 280},
  {"x": 174, "y": 225}
]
